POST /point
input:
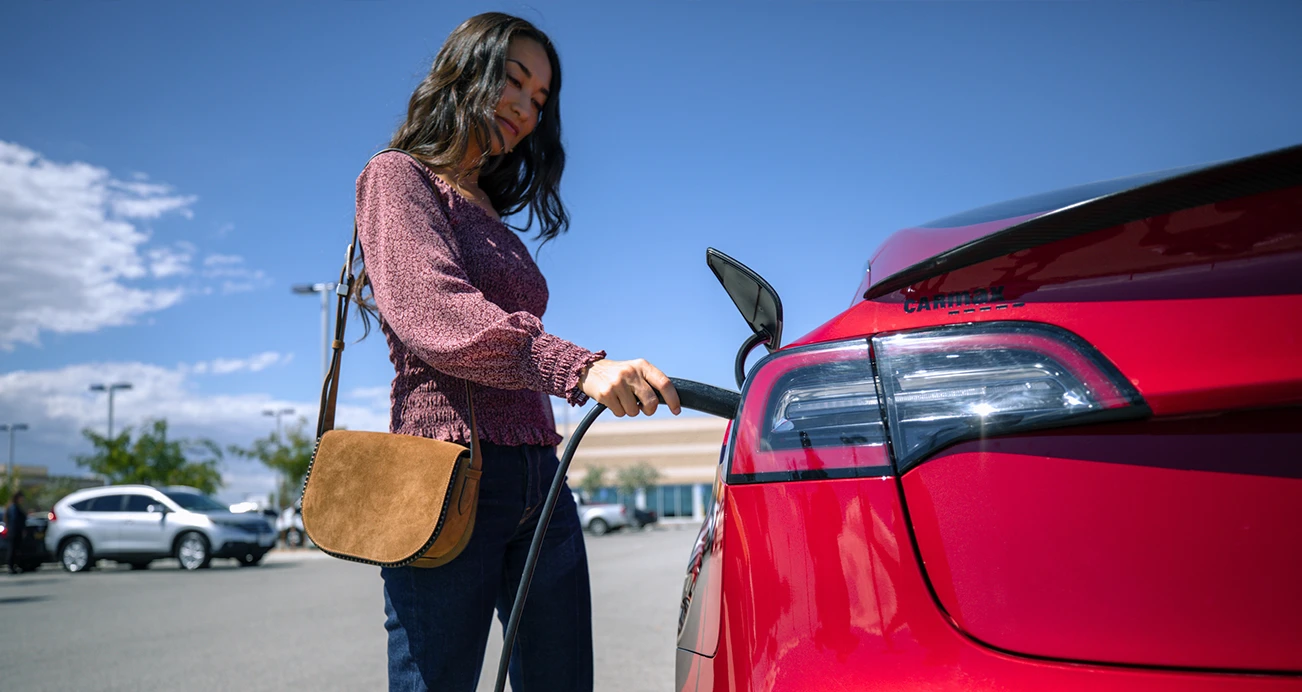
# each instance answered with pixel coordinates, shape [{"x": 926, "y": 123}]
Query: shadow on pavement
[
  {"x": 23, "y": 599},
  {"x": 28, "y": 581},
  {"x": 164, "y": 568}
]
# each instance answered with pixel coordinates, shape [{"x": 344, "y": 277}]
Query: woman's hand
[{"x": 621, "y": 384}]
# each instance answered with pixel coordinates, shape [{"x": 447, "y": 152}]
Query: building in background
[{"x": 684, "y": 450}]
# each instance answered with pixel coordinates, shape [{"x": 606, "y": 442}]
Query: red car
[{"x": 1053, "y": 444}]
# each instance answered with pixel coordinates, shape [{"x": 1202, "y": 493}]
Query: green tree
[
  {"x": 289, "y": 454},
  {"x": 593, "y": 480},
  {"x": 45, "y": 495},
  {"x": 152, "y": 459},
  {"x": 641, "y": 475},
  {"x": 7, "y": 490}
]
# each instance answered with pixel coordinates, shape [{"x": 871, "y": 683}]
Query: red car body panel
[
  {"x": 1086, "y": 544},
  {"x": 822, "y": 591},
  {"x": 1161, "y": 553},
  {"x": 907, "y": 246}
]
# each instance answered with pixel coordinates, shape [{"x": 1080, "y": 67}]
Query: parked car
[
  {"x": 138, "y": 524},
  {"x": 289, "y": 526},
  {"x": 33, "y": 553},
  {"x": 600, "y": 518},
  {"x": 644, "y": 517},
  {"x": 1051, "y": 445}
]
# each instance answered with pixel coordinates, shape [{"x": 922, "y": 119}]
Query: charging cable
[{"x": 692, "y": 395}]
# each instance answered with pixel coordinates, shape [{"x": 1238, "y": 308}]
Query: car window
[
  {"x": 106, "y": 503},
  {"x": 195, "y": 502},
  {"x": 138, "y": 503},
  {"x": 83, "y": 505}
]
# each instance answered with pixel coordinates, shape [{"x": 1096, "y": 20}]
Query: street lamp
[
  {"x": 325, "y": 290},
  {"x": 280, "y": 481},
  {"x": 110, "y": 389},
  {"x": 11, "y": 430},
  {"x": 278, "y": 414}
]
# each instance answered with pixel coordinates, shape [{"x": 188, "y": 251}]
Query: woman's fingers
[
  {"x": 660, "y": 381},
  {"x": 627, "y": 399},
  {"x": 627, "y": 387},
  {"x": 646, "y": 395}
]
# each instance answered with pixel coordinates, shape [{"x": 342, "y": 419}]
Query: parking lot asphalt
[{"x": 301, "y": 620}]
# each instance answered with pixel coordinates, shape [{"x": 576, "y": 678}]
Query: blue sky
[{"x": 168, "y": 170}]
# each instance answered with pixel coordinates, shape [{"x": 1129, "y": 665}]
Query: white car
[
  {"x": 138, "y": 524},
  {"x": 289, "y": 526},
  {"x": 601, "y": 518}
]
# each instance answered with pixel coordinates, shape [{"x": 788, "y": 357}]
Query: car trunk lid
[{"x": 1173, "y": 541}]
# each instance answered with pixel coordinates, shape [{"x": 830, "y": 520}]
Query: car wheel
[
  {"x": 139, "y": 565},
  {"x": 250, "y": 560},
  {"x": 598, "y": 527},
  {"x": 192, "y": 551},
  {"x": 75, "y": 555},
  {"x": 293, "y": 538}
]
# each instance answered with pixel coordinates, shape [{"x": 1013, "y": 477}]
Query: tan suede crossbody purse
[{"x": 381, "y": 498}]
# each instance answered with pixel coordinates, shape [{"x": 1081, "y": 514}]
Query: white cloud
[
  {"x": 57, "y": 405},
  {"x": 236, "y": 278},
  {"x": 257, "y": 363},
  {"x": 222, "y": 260},
  {"x": 71, "y": 251},
  {"x": 141, "y": 200},
  {"x": 165, "y": 262},
  {"x": 373, "y": 397}
]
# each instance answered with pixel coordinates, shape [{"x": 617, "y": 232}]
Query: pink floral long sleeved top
[{"x": 460, "y": 299}]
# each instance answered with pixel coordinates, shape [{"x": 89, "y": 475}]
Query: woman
[{"x": 459, "y": 298}]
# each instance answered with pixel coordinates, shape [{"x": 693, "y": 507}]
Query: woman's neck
[
  {"x": 467, "y": 174},
  {"x": 466, "y": 183}
]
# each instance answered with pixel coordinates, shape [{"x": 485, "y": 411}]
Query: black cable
[
  {"x": 535, "y": 547},
  {"x": 693, "y": 395}
]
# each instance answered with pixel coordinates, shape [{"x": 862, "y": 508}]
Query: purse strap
[{"x": 330, "y": 388}]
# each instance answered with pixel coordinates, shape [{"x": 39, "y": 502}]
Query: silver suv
[
  {"x": 137, "y": 524},
  {"x": 600, "y": 518}
]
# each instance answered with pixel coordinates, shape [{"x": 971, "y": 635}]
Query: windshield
[{"x": 196, "y": 502}]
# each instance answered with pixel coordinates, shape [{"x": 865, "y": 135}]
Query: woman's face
[{"x": 528, "y": 86}]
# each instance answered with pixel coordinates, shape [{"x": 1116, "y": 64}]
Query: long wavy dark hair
[{"x": 455, "y": 103}]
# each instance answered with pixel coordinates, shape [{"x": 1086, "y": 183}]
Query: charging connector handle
[
  {"x": 697, "y": 396},
  {"x": 705, "y": 398}
]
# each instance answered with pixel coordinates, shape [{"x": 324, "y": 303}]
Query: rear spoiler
[{"x": 1253, "y": 175}]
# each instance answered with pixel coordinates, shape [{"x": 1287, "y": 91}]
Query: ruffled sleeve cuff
[{"x": 562, "y": 364}]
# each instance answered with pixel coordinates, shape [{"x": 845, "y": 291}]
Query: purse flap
[{"x": 379, "y": 497}]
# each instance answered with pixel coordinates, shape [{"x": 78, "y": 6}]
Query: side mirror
[
  {"x": 754, "y": 297},
  {"x": 758, "y": 303},
  {"x": 158, "y": 508}
]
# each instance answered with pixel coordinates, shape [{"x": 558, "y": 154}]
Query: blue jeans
[{"x": 438, "y": 618}]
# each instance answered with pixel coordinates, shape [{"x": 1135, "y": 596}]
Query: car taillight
[
  {"x": 816, "y": 412},
  {"x": 963, "y": 382},
  {"x": 810, "y": 413},
  {"x": 51, "y": 516},
  {"x": 3, "y": 530}
]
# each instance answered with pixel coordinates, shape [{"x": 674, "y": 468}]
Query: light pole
[
  {"x": 325, "y": 290},
  {"x": 15, "y": 427},
  {"x": 280, "y": 481},
  {"x": 278, "y": 413},
  {"x": 110, "y": 389}
]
